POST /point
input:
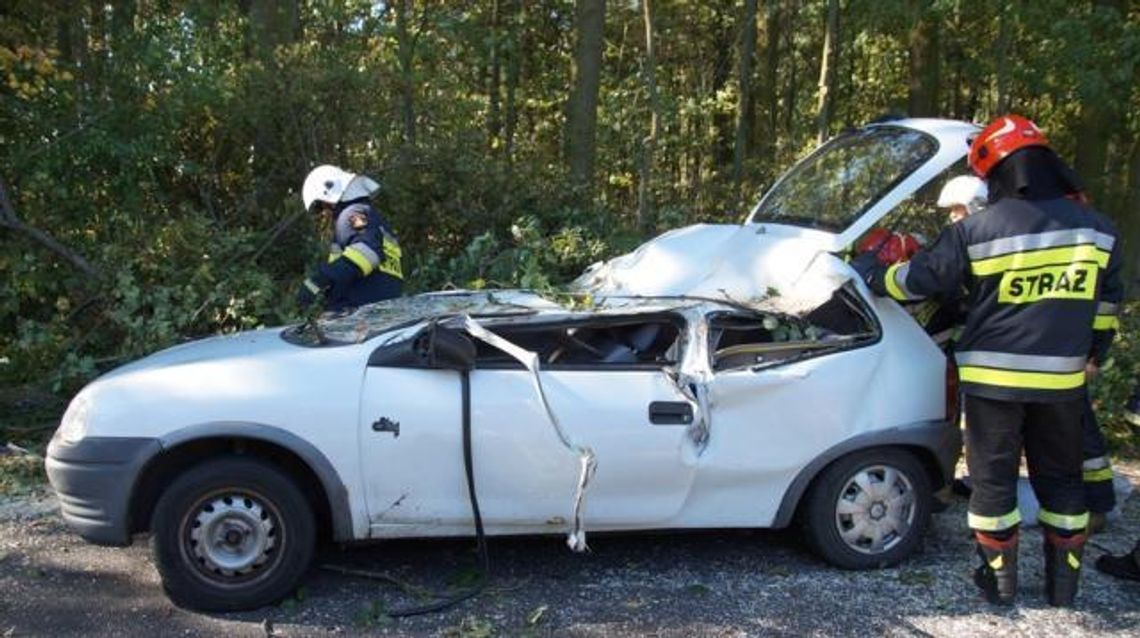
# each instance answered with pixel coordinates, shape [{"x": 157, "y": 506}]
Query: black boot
[
  {"x": 997, "y": 575},
  {"x": 1124, "y": 566},
  {"x": 1062, "y": 567}
]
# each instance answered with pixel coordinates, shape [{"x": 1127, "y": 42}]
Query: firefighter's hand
[
  {"x": 308, "y": 294},
  {"x": 1091, "y": 370},
  {"x": 867, "y": 265}
]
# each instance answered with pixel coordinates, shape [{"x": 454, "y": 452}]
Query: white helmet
[
  {"x": 331, "y": 184},
  {"x": 965, "y": 190}
]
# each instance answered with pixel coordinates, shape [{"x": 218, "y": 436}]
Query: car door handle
[
  {"x": 384, "y": 424},
  {"x": 670, "y": 413}
]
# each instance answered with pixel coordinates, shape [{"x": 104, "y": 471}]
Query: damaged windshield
[
  {"x": 834, "y": 186},
  {"x": 373, "y": 319}
]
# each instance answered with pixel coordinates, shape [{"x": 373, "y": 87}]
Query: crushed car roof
[{"x": 487, "y": 306}]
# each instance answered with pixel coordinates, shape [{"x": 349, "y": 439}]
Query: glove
[
  {"x": 308, "y": 294},
  {"x": 868, "y": 266}
]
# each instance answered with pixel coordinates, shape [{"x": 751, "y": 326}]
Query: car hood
[
  {"x": 242, "y": 345},
  {"x": 767, "y": 267}
]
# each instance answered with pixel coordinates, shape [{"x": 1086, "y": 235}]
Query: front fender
[{"x": 336, "y": 492}]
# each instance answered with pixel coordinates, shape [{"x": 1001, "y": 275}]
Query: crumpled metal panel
[{"x": 765, "y": 268}]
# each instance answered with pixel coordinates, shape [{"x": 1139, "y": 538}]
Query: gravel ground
[{"x": 722, "y": 583}]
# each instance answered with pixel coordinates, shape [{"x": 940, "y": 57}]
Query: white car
[{"x": 719, "y": 376}]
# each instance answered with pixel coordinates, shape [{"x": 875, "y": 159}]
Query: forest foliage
[{"x": 152, "y": 151}]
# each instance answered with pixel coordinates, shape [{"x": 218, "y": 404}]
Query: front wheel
[
  {"x": 231, "y": 534},
  {"x": 868, "y": 509}
]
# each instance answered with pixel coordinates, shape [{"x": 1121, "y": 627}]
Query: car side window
[
  {"x": 757, "y": 340},
  {"x": 628, "y": 343},
  {"x": 743, "y": 341}
]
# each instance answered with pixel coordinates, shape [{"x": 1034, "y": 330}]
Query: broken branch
[{"x": 9, "y": 219}]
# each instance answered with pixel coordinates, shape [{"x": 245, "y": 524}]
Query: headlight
[{"x": 73, "y": 427}]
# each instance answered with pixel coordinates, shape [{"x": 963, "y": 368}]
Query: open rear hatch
[{"x": 782, "y": 259}]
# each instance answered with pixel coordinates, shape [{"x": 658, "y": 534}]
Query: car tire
[
  {"x": 868, "y": 509},
  {"x": 232, "y": 533}
]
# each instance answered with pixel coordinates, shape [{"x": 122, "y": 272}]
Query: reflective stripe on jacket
[
  {"x": 363, "y": 264},
  {"x": 1042, "y": 276}
]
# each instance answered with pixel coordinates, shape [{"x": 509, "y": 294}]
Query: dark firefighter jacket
[
  {"x": 1043, "y": 283},
  {"x": 364, "y": 260}
]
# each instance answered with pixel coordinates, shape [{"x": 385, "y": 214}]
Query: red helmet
[
  {"x": 875, "y": 239},
  {"x": 1003, "y": 136},
  {"x": 889, "y": 248}
]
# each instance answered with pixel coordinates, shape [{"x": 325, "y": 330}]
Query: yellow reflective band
[
  {"x": 1015, "y": 379},
  {"x": 1068, "y": 522},
  {"x": 356, "y": 257},
  {"x": 1044, "y": 257},
  {"x": 893, "y": 289},
  {"x": 993, "y": 523},
  {"x": 1106, "y": 322},
  {"x": 1069, "y": 281},
  {"x": 1098, "y": 476},
  {"x": 997, "y": 562},
  {"x": 312, "y": 286},
  {"x": 391, "y": 263},
  {"x": 1074, "y": 562}
]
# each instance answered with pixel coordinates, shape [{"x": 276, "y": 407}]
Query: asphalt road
[{"x": 721, "y": 583}]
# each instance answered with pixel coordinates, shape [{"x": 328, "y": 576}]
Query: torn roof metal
[{"x": 404, "y": 315}]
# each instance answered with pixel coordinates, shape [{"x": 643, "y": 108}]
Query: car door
[
  {"x": 630, "y": 413},
  {"x": 779, "y": 399}
]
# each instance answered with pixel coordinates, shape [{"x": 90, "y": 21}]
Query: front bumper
[{"x": 94, "y": 479}]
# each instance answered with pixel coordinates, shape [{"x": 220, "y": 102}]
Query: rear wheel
[
  {"x": 232, "y": 533},
  {"x": 868, "y": 509}
]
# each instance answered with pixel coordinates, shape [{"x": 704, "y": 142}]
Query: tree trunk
[
  {"x": 828, "y": 61},
  {"x": 646, "y": 218},
  {"x": 1129, "y": 224},
  {"x": 582, "y": 107},
  {"x": 405, "y": 54},
  {"x": 494, "y": 81},
  {"x": 1093, "y": 132},
  {"x": 771, "y": 78},
  {"x": 744, "y": 101},
  {"x": 791, "y": 87},
  {"x": 723, "y": 123},
  {"x": 72, "y": 44},
  {"x": 514, "y": 62},
  {"x": 1002, "y": 104},
  {"x": 271, "y": 25},
  {"x": 924, "y": 65},
  {"x": 1098, "y": 125}
]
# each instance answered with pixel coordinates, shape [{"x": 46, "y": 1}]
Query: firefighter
[
  {"x": 1100, "y": 496},
  {"x": 966, "y": 195},
  {"x": 963, "y": 195},
  {"x": 1125, "y": 566},
  {"x": 1039, "y": 268},
  {"x": 363, "y": 264}
]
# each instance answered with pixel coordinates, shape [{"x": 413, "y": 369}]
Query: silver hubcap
[
  {"x": 875, "y": 509},
  {"x": 231, "y": 535}
]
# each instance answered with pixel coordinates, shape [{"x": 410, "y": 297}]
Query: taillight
[{"x": 952, "y": 407}]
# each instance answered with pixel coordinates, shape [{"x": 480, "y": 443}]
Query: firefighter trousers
[
  {"x": 1099, "y": 494},
  {"x": 1050, "y": 434}
]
